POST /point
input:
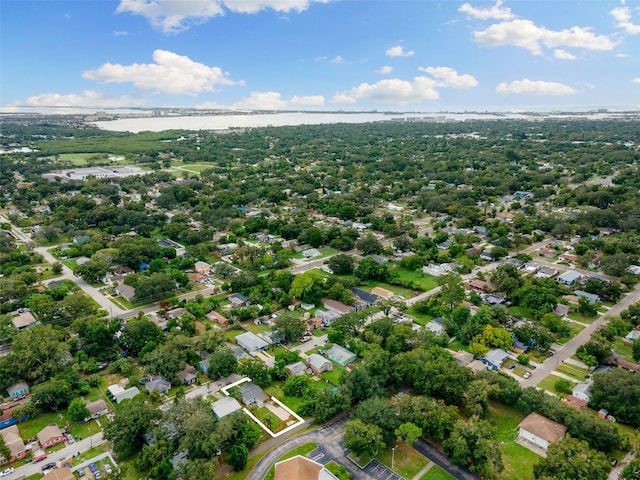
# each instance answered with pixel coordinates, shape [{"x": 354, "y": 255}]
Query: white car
[
  {"x": 7, "y": 471},
  {"x": 107, "y": 468},
  {"x": 527, "y": 375}
]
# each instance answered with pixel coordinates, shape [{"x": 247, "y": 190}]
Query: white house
[
  {"x": 539, "y": 432},
  {"x": 251, "y": 342}
]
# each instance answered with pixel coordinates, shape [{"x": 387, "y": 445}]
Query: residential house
[
  {"x": 570, "y": 277},
  {"x": 495, "y": 358},
  {"x": 561, "y": 310},
  {"x": 216, "y": 317},
  {"x": 225, "y": 406},
  {"x": 632, "y": 336},
  {"x": 159, "y": 321},
  {"x": 505, "y": 217},
  {"x": 620, "y": 361},
  {"x": 251, "y": 342},
  {"x": 582, "y": 391},
  {"x": 568, "y": 257},
  {"x": 383, "y": 293},
  {"x": 166, "y": 243},
  {"x": 547, "y": 252},
  {"x": 18, "y": 389},
  {"x": 297, "y": 368},
  {"x": 238, "y": 300},
  {"x": 188, "y": 375},
  {"x": 338, "y": 307},
  {"x": 592, "y": 297},
  {"x": 176, "y": 313},
  {"x": 311, "y": 253},
  {"x": 63, "y": 473},
  {"x": 481, "y": 286},
  {"x": 327, "y": 317},
  {"x": 203, "y": 268},
  {"x": 313, "y": 323},
  {"x": 575, "y": 403},
  {"x": 126, "y": 291},
  {"x": 539, "y": 431},
  {"x": 119, "y": 394},
  {"x": 463, "y": 358},
  {"x": 365, "y": 298},
  {"x": 96, "y": 410},
  {"x": 80, "y": 239},
  {"x": 341, "y": 355},
  {"x": 380, "y": 260},
  {"x": 158, "y": 384},
  {"x": 547, "y": 272},
  {"x": 435, "y": 328},
  {"x": 24, "y": 320},
  {"x": 319, "y": 364},
  {"x": 204, "y": 362},
  {"x": 14, "y": 442},
  {"x": 50, "y": 435},
  {"x": 494, "y": 299},
  {"x": 301, "y": 468},
  {"x": 516, "y": 262},
  {"x": 252, "y": 393},
  {"x": 237, "y": 352}
]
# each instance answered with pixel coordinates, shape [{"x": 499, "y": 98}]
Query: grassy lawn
[
  {"x": 70, "y": 263},
  {"x": 301, "y": 450},
  {"x": 623, "y": 349},
  {"x": 419, "y": 318},
  {"x": 549, "y": 384},
  {"x": 523, "y": 312},
  {"x": 457, "y": 345},
  {"x": 30, "y": 428},
  {"x": 578, "y": 317},
  {"x": 437, "y": 473},
  {"x": 421, "y": 280},
  {"x": 575, "y": 329},
  {"x": 334, "y": 375},
  {"x": 408, "y": 462},
  {"x": 574, "y": 371},
  {"x": 518, "y": 461},
  {"x": 195, "y": 168},
  {"x": 252, "y": 327}
]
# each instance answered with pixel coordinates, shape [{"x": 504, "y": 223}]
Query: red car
[{"x": 39, "y": 459}]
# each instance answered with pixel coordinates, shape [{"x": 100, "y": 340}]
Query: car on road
[
  {"x": 527, "y": 375},
  {"x": 39, "y": 458},
  {"x": 7, "y": 471},
  {"x": 48, "y": 466}
]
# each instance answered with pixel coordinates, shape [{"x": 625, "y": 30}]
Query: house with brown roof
[
  {"x": 24, "y": 320},
  {"x": 547, "y": 252},
  {"x": 301, "y": 468},
  {"x": 126, "y": 291},
  {"x": 13, "y": 440},
  {"x": 50, "y": 435},
  {"x": 187, "y": 376},
  {"x": 383, "y": 292},
  {"x": 96, "y": 409},
  {"x": 218, "y": 318},
  {"x": 63, "y": 473},
  {"x": 538, "y": 432},
  {"x": 338, "y": 307}
]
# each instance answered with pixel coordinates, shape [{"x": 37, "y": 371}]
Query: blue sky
[{"x": 417, "y": 55}]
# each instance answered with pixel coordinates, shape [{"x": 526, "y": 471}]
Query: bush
[
  {"x": 523, "y": 359},
  {"x": 563, "y": 386}
]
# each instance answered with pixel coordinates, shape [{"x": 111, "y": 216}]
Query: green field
[
  {"x": 407, "y": 461},
  {"x": 423, "y": 281},
  {"x": 369, "y": 285},
  {"x": 574, "y": 371},
  {"x": 549, "y": 384},
  {"x": 518, "y": 311},
  {"x": 578, "y": 317},
  {"x": 518, "y": 461},
  {"x": 623, "y": 349},
  {"x": 437, "y": 473}
]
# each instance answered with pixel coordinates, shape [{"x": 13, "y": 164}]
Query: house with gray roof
[
  {"x": 225, "y": 406},
  {"x": 252, "y": 393},
  {"x": 297, "y": 368},
  {"x": 319, "y": 364},
  {"x": 570, "y": 277},
  {"x": 251, "y": 342},
  {"x": 158, "y": 384},
  {"x": 495, "y": 358},
  {"x": 341, "y": 355},
  {"x": 592, "y": 297}
]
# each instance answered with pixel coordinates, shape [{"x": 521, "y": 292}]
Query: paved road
[
  {"x": 569, "y": 348},
  {"x": 67, "y": 452}
]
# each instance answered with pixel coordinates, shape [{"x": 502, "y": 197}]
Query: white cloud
[
  {"x": 531, "y": 87},
  {"x": 526, "y": 34},
  {"x": 398, "y": 51},
  {"x": 393, "y": 91},
  {"x": 448, "y": 77},
  {"x": 385, "y": 70},
  {"x": 88, "y": 98},
  {"x": 337, "y": 60},
  {"x": 120, "y": 33},
  {"x": 497, "y": 12},
  {"x": 274, "y": 101},
  {"x": 171, "y": 73},
  {"x": 563, "y": 54},
  {"x": 636, "y": 80},
  {"x": 622, "y": 16},
  {"x": 622, "y": 55},
  {"x": 174, "y": 16}
]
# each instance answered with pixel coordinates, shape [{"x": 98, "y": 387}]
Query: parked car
[
  {"x": 81, "y": 473},
  {"x": 93, "y": 467},
  {"x": 39, "y": 459},
  {"x": 7, "y": 471},
  {"x": 48, "y": 466},
  {"x": 512, "y": 366},
  {"x": 108, "y": 469},
  {"x": 70, "y": 439},
  {"x": 527, "y": 375}
]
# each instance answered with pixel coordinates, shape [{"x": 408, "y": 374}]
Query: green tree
[
  {"x": 289, "y": 327},
  {"x": 52, "y": 395},
  {"x": 632, "y": 470},
  {"x": 5, "y": 451},
  {"x": 587, "y": 308},
  {"x": 572, "y": 458},
  {"x": 222, "y": 363},
  {"x": 451, "y": 290},
  {"x": 138, "y": 333},
  {"x": 78, "y": 410},
  {"x": 131, "y": 420},
  {"x": 94, "y": 270},
  {"x": 636, "y": 350},
  {"x": 39, "y": 352},
  {"x": 362, "y": 438},
  {"x": 324, "y": 404},
  {"x": 619, "y": 392},
  {"x": 238, "y": 457},
  {"x": 408, "y": 433},
  {"x": 369, "y": 245},
  {"x": 304, "y": 285},
  {"x": 341, "y": 264}
]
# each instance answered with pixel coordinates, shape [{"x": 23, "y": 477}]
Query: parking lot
[
  {"x": 337, "y": 426},
  {"x": 379, "y": 471}
]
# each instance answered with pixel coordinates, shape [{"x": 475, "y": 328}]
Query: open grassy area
[
  {"x": 419, "y": 318},
  {"x": 578, "y": 317},
  {"x": 437, "y": 473},
  {"x": 623, "y": 349},
  {"x": 407, "y": 462},
  {"x": 400, "y": 291},
  {"x": 334, "y": 375},
  {"x": 549, "y": 384},
  {"x": 519, "y": 311},
  {"x": 301, "y": 450},
  {"x": 338, "y": 471},
  {"x": 574, "y": 371},
  {"x": 518, "y": 461},
  {"x": 421, "y": 280},
  {"x": 575, "y": 329}
]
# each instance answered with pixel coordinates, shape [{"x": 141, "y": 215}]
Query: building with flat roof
[
  {"x": 225, "y": 406},
  {"x": 341, "y": 355},
  {"x": 251, "y": 342}
]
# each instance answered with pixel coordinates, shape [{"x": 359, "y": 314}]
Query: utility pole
[{"x": 393, "y": 456}]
